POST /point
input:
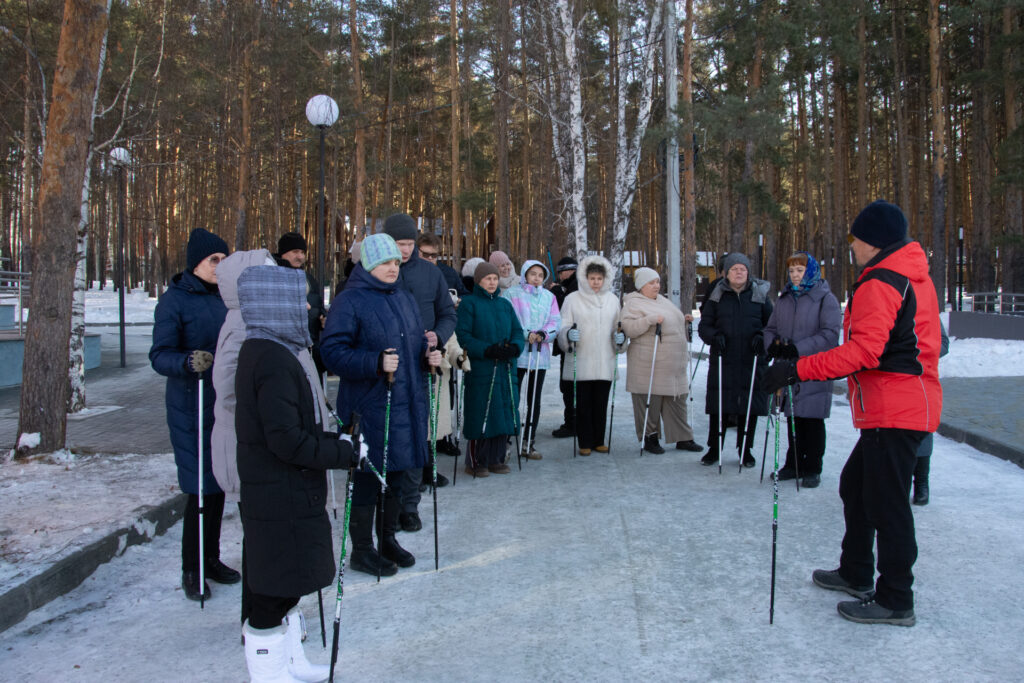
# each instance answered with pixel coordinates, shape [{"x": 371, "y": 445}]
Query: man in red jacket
[{"x": 890, "y": 357}]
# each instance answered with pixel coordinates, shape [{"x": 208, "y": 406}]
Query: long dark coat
[
  {"x": 188, "y": 317},
  {"x": 486, "y": 319},
  {"x": 739, "y": 317},
  {"x": 812, "y": 321},
  {"x": 282, "y": 456},
  {"x": 368, "y": 317}
]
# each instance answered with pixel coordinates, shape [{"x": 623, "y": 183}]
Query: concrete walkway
[{"x": 983, "y": 412}]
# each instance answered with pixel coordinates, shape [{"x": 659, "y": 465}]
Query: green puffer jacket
[{"x": 486, "y": 319}]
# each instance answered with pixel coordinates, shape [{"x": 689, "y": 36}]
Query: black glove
[
  {"x": 781, "y": 373},
  {"x": 757, "y": 343},
  {"x": 719, "y": 342},
  {"x": 199, "y": 361},
  {"x": 788, "y": 351},
  {"x": 509, "y": 351},
  {"x": 774, "y": 348},
  {"x": 493, "y": 352}
]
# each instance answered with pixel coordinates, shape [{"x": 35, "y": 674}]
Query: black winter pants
[
  {"x": 568, "y": 418},
  {"x": 532, "y": 416},
  {"x": 268, "y": 611},
  {"x": 592, "y": 412},
  {"x": 810, "y": 444},
  {"x": 875, "y": 488},
  {"x": 715, "y": 437},
  {"x": 213, "y": 512}
]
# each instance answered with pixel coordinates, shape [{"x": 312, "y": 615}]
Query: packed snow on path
[{"x": 603, "y": 568}]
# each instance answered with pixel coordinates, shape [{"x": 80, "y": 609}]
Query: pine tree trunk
[
  {"x": 44, "y": 388},
  {"x": 502, "y": 195},
  {"x": 938, "y": 259},
  {"x": 1013, "y": 269}
]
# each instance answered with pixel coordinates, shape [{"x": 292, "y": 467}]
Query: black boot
[
  {"x": 190, "y": 584},
  {"x": 364, "y": 556},
  {"x": 389, "y": 547},
  {"x": 651, "y": 444},
  {"x": 921, "y": 469}
]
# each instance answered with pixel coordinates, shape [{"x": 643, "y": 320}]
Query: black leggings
[
  {"x": 268, "y": 611},
  {"x": 213, "y": 511},
  {"x": 532, "y": 417}
]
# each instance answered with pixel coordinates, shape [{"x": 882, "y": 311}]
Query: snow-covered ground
[{"x": 605, "y": 568}]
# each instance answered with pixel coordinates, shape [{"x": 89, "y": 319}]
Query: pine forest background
[{"x": 483, "y": 116}]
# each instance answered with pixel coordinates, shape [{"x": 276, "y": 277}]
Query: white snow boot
[
  {"x": 266, "y": 654},
  {"x": 298, "y": 666}
]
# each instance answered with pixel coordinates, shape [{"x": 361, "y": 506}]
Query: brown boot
[{"x": 500, "y": 468}]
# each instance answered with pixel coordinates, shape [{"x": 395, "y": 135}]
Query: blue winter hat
[
  {"x": 203, "y": 243},
  {"x": 880, "y": 224},
  {"x": 377, "y": 249}
]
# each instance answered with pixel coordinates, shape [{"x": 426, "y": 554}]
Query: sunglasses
[{"x": 428, "y": 254}]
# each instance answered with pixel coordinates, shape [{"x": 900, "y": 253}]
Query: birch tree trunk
[
  {"x": 359, "y": 193},
  {"x": 689, "y": 265},
  {"x": 628, "y": 142},
  {"x": 44, "y": 389}
]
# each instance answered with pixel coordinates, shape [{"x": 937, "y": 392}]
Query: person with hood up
[
  {"x": 642, "y": 311},
  {"x": 592, "y": 346},
  {"x": 806, "y": 319},
  {"x": 284, "y": 450},
  {"x": 186, "y": 323},
  {"x": 732, "y": 325},
  {"x": 506, "y": 270},
  {"x": 538, "y": 315},
  {"x": 424, "y": 281},
  {"x": 492, "y": 337},
  {"x": 229, "y": 341},
  {"x": 374, "y": 332},
  {"x": 890, "y": 357}
]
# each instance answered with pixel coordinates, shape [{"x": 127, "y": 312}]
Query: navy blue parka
[
  {"x": 188, "y": 317},
  {"x": 368, "y": 317}
]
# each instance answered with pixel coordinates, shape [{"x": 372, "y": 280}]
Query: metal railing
[
  {"x": 14, "y": 285},
  {"x": 1003, "y": 303}
]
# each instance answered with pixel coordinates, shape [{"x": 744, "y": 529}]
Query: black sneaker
[
  {"x": 410, "y": 521},
  {"x": 563, "y": 432},
  {"x": 831, "y": 580},
  {"x": 446, "y": 447},
  {"x": 221, "y": 573},
  {"x": 651, "y": 445},
  {"x": 442, "y": 480},
  {"x": 690, "y": 445},
  {"x": 190, "y": 584},
  {"x": 870, "y": 612},
  {"x": 811, "y": 481},
  {"x": 710, "y": 458}
]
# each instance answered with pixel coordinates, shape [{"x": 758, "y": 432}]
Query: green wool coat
[{"x": 486, "y": 319}]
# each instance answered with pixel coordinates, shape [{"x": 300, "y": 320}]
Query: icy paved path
[{"x": 604, "y": 568}]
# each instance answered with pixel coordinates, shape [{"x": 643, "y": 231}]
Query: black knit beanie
[
  {"x": 566, "y": 263},
  {"x": 202, "y": 243},
  {"x": 290, "y": 241},
  {"x": 400, "y": 226},
  {"x": 880, "y": 224}
]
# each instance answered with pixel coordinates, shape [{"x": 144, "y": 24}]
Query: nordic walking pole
[
  {"x": 697, "y": 364},
  {"x": 721, "y": 417},
  {"x": 514, "y": 408},
  {"x": 526, "y": 395},
  {"x": 767, "y": 424},
  {"x": 202, "y": 563},
  {"x": 389, "y": 382},
  {"x": 532, "y": 408},
  {"x": 792, "y": 431},
  {"x": 435, "y": 385},
  {"x": 459, "y": 388},
  {"x": 575, "y": 416},
  {"x": 615, "y": 377},
  {"x": 341, "y": 561},
  {"x": 746, "y": 422},
  {"x": 775, "y": 516},
  {"x": 487, "y": 412},
  {"x": 650, "y": 387}
]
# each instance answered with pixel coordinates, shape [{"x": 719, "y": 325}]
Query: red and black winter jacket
[{"x": 890, "y": 352}]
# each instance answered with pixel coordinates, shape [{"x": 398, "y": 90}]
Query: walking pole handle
[{"x": 657, "y": 330}]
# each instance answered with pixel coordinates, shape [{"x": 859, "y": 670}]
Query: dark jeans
[
  {"x": 592, "y": 412},
  {"x": 268, "y": 611},
  {"x": 875, "y": 488},
  {"x": 532, "y": 417},
  {"x": 810, "y": 444},
  {"x": 715, "y": 437},
  {"x": 213, "y": 511},
  {"x": 366, "y": 486}
]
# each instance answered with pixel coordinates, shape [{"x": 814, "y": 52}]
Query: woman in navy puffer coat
[
  {"x": 370, "y": 323},
  {"x": 186, "y": 323}
]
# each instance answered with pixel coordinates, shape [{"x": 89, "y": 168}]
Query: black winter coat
[
  {"x": 739, "y": 317},
  {"x": 282, "y": 456}
]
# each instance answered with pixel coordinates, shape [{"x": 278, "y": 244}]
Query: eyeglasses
[
  {"x": 432, "y": 255},
  {"x": 214, "y": 260}
]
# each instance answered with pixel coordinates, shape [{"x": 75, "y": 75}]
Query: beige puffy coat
[{"x": 639, "y": 316}]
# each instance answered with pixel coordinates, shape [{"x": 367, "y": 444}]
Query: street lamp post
[
  {"x": 120, "y": 157},
  {"x": 322, "y": 112}
]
